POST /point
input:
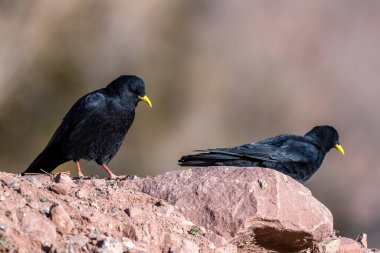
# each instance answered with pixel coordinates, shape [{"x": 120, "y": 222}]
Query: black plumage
[
  {"x": 296, "y": 156},
  {"x": 94, "y": 127}
]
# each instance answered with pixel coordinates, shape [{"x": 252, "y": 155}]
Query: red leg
[
  {"x": 113, "y": 176},
  {"x": 78, "y": 168}
]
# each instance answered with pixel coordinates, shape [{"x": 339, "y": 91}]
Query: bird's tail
[
  {"x": 47, "y": 161},
  {"x": 206, "y": 159}
]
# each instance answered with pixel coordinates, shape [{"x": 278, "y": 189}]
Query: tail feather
[
  {"x": 206, "y": 159},
  {"x": 47, "y": 161}
]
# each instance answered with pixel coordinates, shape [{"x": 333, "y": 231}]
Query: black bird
[
  {"x": 94, "y": 127},
  {"x": 296, "y": 156}
]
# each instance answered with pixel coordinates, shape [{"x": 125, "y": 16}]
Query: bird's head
[
  {"x": 131, "y": 87},
  {"x": 326, "y": 137}
]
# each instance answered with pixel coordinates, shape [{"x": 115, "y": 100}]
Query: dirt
[{"x": 42, "y": 213}]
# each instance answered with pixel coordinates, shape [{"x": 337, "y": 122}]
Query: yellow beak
[
  {"x": 146, "y": 100},
  {"x": 340, "y": 148}
]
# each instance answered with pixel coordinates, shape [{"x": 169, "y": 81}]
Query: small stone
[
  {"x": 39, "y": 227},
  {"x": 111, "y": 245},
  {"x": 130, "y": 232},
  {"x": 28, "y": 198},
  {"x": 3, "y": 227},
  {"x": 168, "y": 210},
  {"x": 98, "y": 182},
  {"x": 94, "y": 204},
  {"x": 80, "y": 240},
  {"x": 362, "y": 239},
  {"x": 61, "y": 219},
  {"x": 15, "y": 186},
  {"x": 115, "y": 211},
  {"x": 183, "y": 245},
  {"x": 45, "y": 210},
  {"x": 64, "y": 179},
  {"x": 34, "y": 181},
  {"x": 349, "y": 245},
  {"x": 111, "y": 182},
  {"x": 331, "y": 246},
  {"x": 43, "y": 179},
  {"x": 128, "y": 244},
  {"x": 61, "y": 188},
  {"x": 263, "y": 185},
  {"x": 133, "y": 212},
  {"x": 82, "y": 194},
  {"x": 94, "y": 176}
]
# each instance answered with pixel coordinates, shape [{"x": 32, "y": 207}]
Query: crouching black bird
[
  {"x": 296, "y": 156},
  {"x": 94, "y": 127}
]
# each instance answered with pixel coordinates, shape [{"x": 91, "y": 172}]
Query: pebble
[
  {"x": 45, "y": 210},
  {"x": 111, "y": 245},
  {"x": 98, "y": 183},
  {"x": 61, "y": 188},
  {"x": 133, "y": 212},
  {"x": 115, "y": 211},
  {"x": 34, "y": 181},
  {"x": 82, "y": 194},
  {"x": 128, "y": 244},
  {"x": 15, "y": 186},
  {"x": 64, "y": 179},
  {"x": 61, "y": 219},
  {"x": 3, "y": 227},
  {"x": 80, "y": 240},
  {"x": 111, "y": 182}
]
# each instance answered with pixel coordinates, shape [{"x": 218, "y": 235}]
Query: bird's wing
[
  {"x": 291, "y": 152},
  {"x": 81, "y": 111}
]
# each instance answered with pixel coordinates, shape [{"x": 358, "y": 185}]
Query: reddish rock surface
[
  {"x": 221, "y": 210},
  {"x": 35, "y": 218},
  {"x": 344, "y": 245},
  {"x": 249, "y": 206}
]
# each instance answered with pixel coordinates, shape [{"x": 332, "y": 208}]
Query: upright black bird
[
  {"x": 296, "y": 156},
  {"x": 94, "y": 127}
]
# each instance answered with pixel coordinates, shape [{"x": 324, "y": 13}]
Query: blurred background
[{"x": 219, "y": 74}]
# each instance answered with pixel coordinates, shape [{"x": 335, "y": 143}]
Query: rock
[
  {"x": 110, "y": 245},
  {"x": 64, "y": 179},
  {"x": 39, "y": 227},
  {"x": 130, "y": 232},
  {"x": 29, "y": 222},
  {"x": 61, "y": 219},
  {"x": 61, "y": 188},
  {"x": 82, "y": 194},
  {"x": 234, "y": 203},
  {"x": 3, "y": 227},
  {"x": 331, "y": 245},
  {"x": 42, "y": 179},
  {"x": 362, "y": 239},
  {"x": 133, "y": 212},
  {"x": 348, "y": 245},
  {"x": 128, "y": 244},
  {"x": 98, "y": 182},
  {"x": 179, "y": 245},
  {"x": 341, "y": 245},
  {"x": 34, "y": 181},
  {"x": 80, "y": 240}
]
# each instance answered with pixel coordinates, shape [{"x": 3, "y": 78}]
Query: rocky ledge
[{"x": 215, "y": 209}]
